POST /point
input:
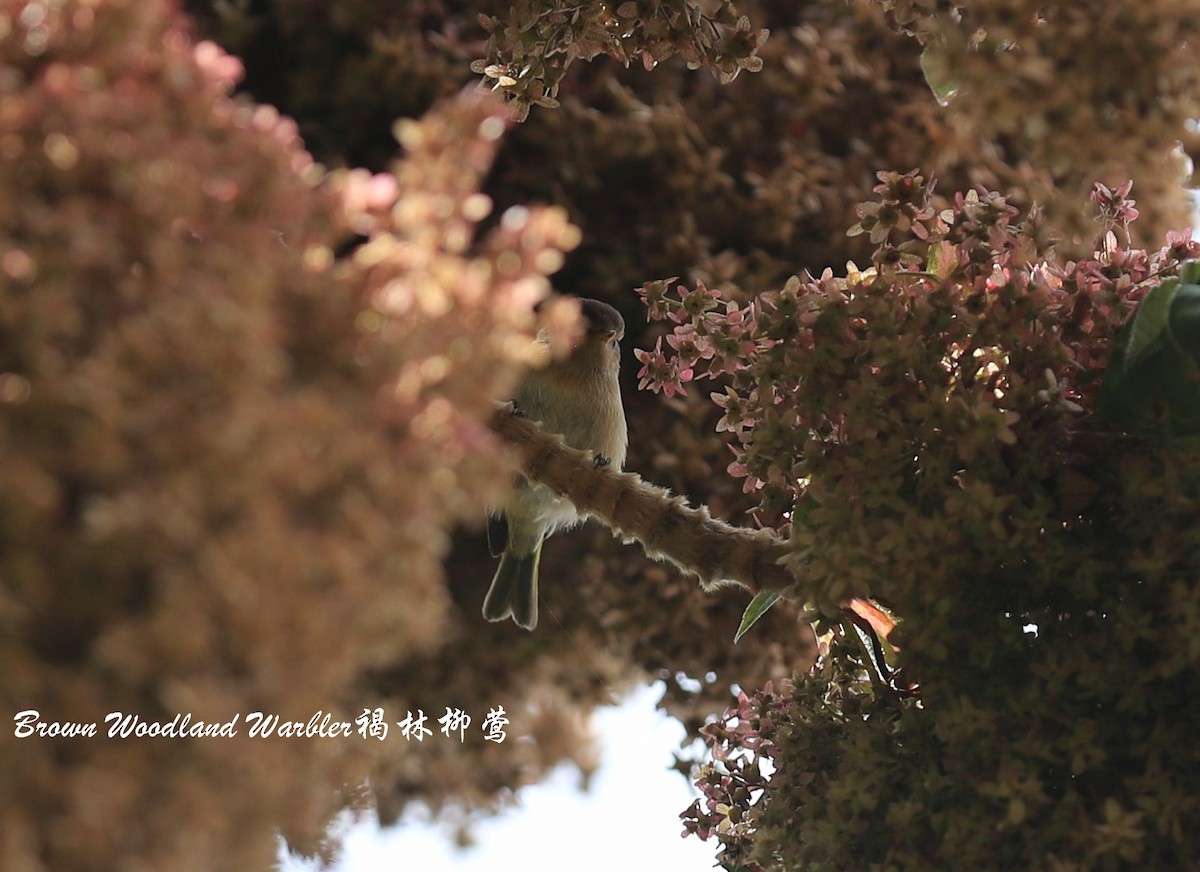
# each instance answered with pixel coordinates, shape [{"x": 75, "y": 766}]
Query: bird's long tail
[{"x": 514, "y": 589}]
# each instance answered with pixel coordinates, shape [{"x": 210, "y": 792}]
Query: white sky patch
[{"x": 628, "y": 819}]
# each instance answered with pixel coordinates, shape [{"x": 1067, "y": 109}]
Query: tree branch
[{"x": 664, "y": 524}]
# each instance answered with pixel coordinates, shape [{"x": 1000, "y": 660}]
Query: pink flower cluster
[{"x": 962, "y": 298}]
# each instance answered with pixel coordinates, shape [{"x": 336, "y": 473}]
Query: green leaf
[
  {"x": 1189, "y": 273},
  {"x": 942, "y": 260},
  {"x": 763, "y": 600},
  {"x": 1149, "y": 322},
  {"x": 1185, "y": 319},
  {"x": 1152, "y": 386},
  {"x": 938, "y": 77}
]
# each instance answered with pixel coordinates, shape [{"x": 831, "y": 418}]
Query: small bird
[{"x": 578, "y": 398}]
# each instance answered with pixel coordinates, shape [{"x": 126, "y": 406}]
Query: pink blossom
[
  {"x": 654, "y": 295},
  {"x": 659, "y": 373}
]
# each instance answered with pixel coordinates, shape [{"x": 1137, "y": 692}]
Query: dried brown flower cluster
[
  {"x": 1087, "y": 88},
  {"x": 529, "y": 52}
]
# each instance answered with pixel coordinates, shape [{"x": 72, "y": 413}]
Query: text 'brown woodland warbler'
[{"x": 578, "y": 398}]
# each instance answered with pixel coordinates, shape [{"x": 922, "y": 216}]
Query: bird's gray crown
[{"x": 601, "y": 317}]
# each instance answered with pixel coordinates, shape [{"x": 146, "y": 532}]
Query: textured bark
[{"x": 663, "y": 523}]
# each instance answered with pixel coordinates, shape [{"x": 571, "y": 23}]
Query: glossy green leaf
[{"x": 758, "y": 607}]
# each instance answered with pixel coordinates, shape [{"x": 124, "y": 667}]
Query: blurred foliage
[
  {"x": 240, "y": 397},
  {"x": 229, "y": 460}
]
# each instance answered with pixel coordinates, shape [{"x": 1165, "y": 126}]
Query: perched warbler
[{"x": 579, "y": 398}]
